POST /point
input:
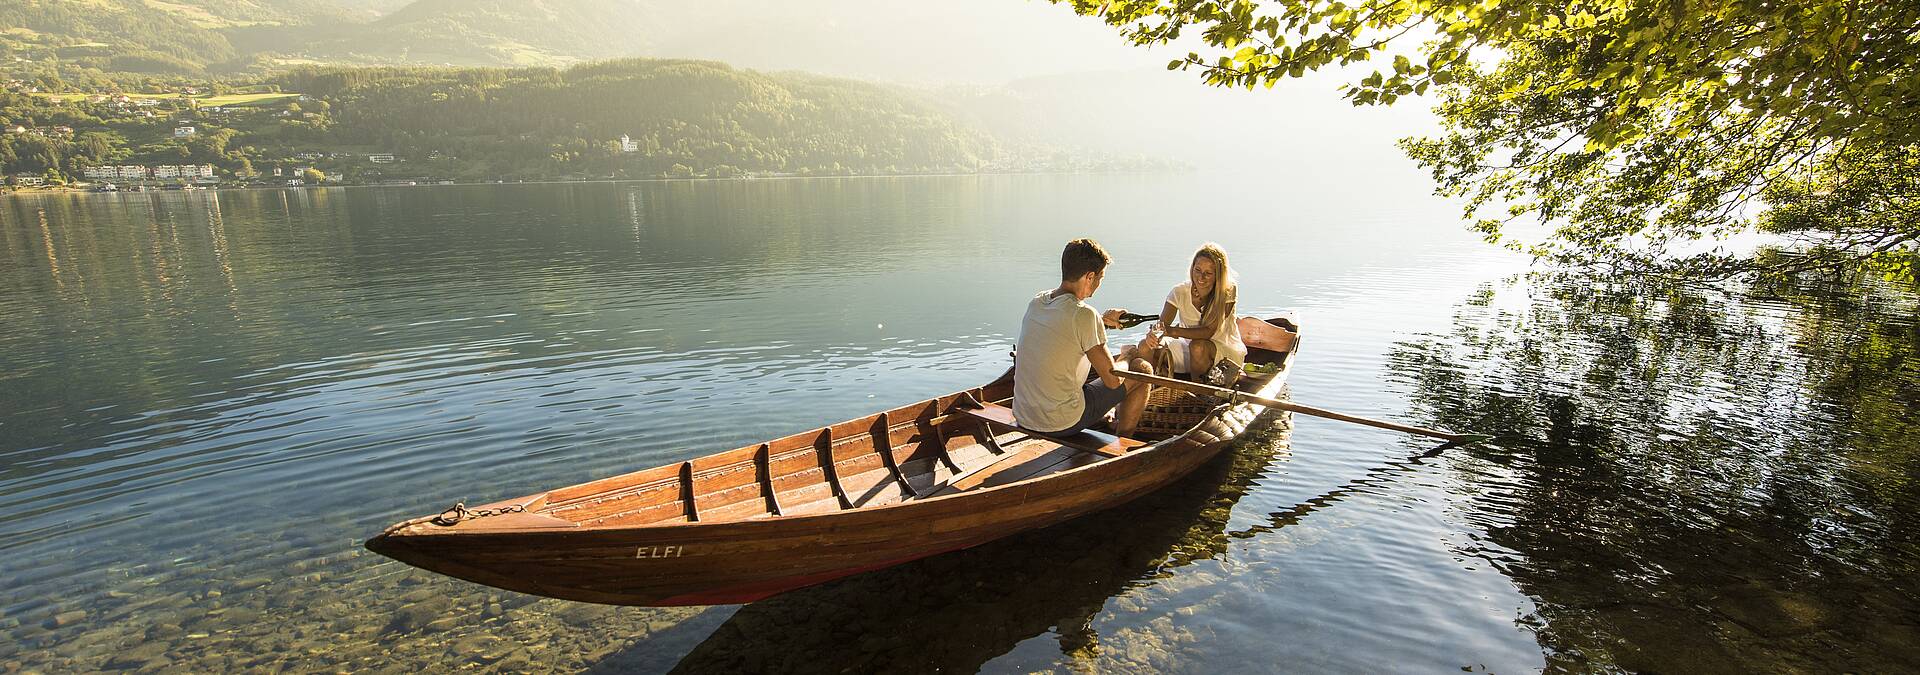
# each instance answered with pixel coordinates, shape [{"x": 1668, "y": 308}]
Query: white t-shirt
[
  {"x": 1226, "y": 338},
  {"x": 1051, "y": 361}
]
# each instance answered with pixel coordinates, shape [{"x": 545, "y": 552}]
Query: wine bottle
[{"x": 1129, "y": 319}]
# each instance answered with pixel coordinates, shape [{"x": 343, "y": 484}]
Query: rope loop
[
  {"x": 459, "y": 512},
  {"x": 453, "y": 516}
]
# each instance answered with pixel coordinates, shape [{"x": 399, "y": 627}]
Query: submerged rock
[
  {"x": 516, "y": 661},
  {"x": 136, "y": 657},
  {"x": 67, "y": 618}
]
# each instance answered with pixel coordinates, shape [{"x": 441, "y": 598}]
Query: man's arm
[{"x": 1103, "y": 364}]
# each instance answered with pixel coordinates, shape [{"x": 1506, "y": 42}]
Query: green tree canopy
[{"x": 1635, "y": 130}]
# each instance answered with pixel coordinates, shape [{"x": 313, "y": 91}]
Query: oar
[{"x": 1453, "y": 439}]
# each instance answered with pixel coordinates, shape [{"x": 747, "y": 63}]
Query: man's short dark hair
[{"x": 1082, "y": 256}]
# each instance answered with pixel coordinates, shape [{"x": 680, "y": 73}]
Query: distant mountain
[
  {"x": 369, "y": 7},
  {"x": 493, "y": 33},
  {"x": 154, "y": 36},
  {"x": 121, "y": 35},
  {"x": 873, "y": 39},
  {"x": 196, "y": 36}
]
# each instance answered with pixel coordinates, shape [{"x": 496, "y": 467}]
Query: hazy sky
[
  {"x": 1101, "y": 91},
  {"x": 977, "y": 41}
]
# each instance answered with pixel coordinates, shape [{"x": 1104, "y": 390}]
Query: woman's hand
[{"x": 1152, "y": 340}]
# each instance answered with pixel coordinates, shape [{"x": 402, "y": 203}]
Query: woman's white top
[{"x": 1226, "y": 339}]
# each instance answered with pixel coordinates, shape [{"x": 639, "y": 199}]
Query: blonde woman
[{"x": 1198, "y": 319}]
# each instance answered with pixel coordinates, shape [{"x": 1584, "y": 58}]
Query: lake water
[{"x": 208, "y": 400}]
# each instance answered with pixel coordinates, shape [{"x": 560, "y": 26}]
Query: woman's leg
[{"x": 1200, "y": 355}]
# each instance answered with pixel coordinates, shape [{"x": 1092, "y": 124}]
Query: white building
[
  {"x": 183, "y": 171},
  {"x": 628, "y": 144},
  {"x": 381, "y": 159},
  {"x": 182, "y": 132},
  {"x": 117, "y": 172}
]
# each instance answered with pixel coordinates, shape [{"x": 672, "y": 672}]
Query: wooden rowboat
[{"x": 940, "y": 475}]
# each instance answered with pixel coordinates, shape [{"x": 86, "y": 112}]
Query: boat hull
[{"x": 738, "y": 561}]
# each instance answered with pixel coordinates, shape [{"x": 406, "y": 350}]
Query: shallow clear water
[{"x": 207, "y": 400}]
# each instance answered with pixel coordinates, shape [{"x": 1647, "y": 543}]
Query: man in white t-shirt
[{"x": 1061, "y": 340}]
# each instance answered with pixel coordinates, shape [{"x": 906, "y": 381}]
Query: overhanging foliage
[{"x": 1637, "y": 130}]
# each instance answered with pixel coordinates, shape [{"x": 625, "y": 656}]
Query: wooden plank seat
[
  {"x": 1086, "y": 439},
  {"x": 1030, "y": 461}
]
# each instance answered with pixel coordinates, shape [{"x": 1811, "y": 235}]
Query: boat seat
[{"x": 1085, "y": 439}]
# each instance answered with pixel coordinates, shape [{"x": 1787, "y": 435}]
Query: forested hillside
[
  {"x": 108, "y": 35},
  {"x": 680, "y": 119},
  {"x": 703, "y": 116}
]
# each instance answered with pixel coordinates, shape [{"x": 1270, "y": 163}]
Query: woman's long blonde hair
[{"x": 1223, "y": 286}]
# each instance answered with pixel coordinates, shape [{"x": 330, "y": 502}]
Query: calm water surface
[{"x": 208, "y": 400}]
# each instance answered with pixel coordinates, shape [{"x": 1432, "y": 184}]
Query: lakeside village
[
  {"x": 138, "y": 177},
  {"x": 298, "y": 170},
  {"x": 201, "y": 137},
  {"x": 172, "y": 125},
  {"x": 302, "y": 170},
  {"x": 96, "y": 129}
]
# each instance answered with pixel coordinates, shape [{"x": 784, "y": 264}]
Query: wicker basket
[{"x": 1171, "y": 412}]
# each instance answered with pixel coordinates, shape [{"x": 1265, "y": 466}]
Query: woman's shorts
[{"x": 1179, "y": 348}]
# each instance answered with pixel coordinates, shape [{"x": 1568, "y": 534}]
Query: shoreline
[{"x": 40, "y": 191}]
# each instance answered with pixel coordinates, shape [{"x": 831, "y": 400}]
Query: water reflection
[
  {"x": 208, "y": 400},
  {"x": 1701, "y": 480}
]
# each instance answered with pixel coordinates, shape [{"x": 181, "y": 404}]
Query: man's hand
[{"x": 1112, "y": 317}]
